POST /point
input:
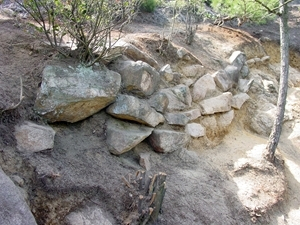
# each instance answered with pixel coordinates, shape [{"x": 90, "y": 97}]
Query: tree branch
[{"x": 272, "y": 11}]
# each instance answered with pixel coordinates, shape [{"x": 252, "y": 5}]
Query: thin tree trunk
[{"x": 283, "y": 85}]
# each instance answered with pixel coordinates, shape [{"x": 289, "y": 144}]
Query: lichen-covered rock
[
  {"x": 131, "y": 108},
  {"x": 221, "y": 103},
  {"x": 122, "y": 136},
  {"x": 166, "y": 141},
  {"x": 32, "y": 137},
  {"x": 74, "y": 93}
]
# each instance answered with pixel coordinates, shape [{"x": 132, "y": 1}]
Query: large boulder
[
  {"x": 179, "y": 97},
  {"x": 131, "y": 108},
  {"x": 221, "y": 103},
  {"x": 166, "y": 141},
  {"x": 33, "y": 138},
  {"x": 89, "y": 215},
  {"x": 202, "y": 86},
  {"x": 13, "y": 208},
  {"x": 75, "y": 93},
  {"x": 138, "y": 78},
  {"x": 122, "y": 136}
]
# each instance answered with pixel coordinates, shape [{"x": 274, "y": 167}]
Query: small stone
[
  {"x": 195, "y": 130},
  {"x": 145, "y": 160}
]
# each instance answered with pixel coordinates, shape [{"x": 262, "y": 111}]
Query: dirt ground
[{"x": 216, "y": 194}]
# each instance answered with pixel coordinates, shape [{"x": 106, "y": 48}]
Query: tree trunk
[{"x": 283, "y": 84}]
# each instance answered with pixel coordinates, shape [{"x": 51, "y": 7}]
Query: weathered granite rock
[
  {"x": 238, "y": 59},
  {"x": 138, "y": 77},
  {"x": 159, "y": 102},
  {"x": 225, "y": 119},
  {"x": 177, "y": 119},
  {"x": 166, "y": 73},
  {"x": 195, "y": 70},
  {"x": 262, "y": 122},
  {"x": 89, "y": 215},
  {"x": 202, "y": 86},
  {"x": 122, "y": 136},
  {"x": 221, "y": 103},
  {"x": 195, "y": 130},
  {"x": 238, "y": 100},
  {"x": 244, "y": 71},
  {"x": 13, "y": 208},
  {"x": 73, "y": 94},
  {"x": 222, "y": 80},
  {"x": 135, "y": 109},
  {"x": 245, "y": 85},
  {"x": 233, "y": 73},
  {"x": 179, "y": 97},
  {"x": 33, "y": 138},
  {"x": 123, "y": 47},
  {"x": 193, "y": 114},
  {"x": 166, "y": 141}
]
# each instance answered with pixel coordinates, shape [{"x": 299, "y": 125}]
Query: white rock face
[
  {"x": 221, "y": 103},
  {"x": 33, "y": 138},
  {"x": 202, "y": 86},
  {"x": 195, "y": 130}
]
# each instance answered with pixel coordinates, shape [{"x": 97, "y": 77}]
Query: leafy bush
[
  {"x": 245, "y": 10},
  {"x": 149, "y": 5},
  {"x": 88, "y": 23}
]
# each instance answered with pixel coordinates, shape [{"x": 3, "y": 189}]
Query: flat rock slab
[
  {"x": 221, "y": 103},
  {"x": 179, "y": 119},
  {"x": 131, "y": 108},
  {"x": 13, "y": 208},
  {"x": 122, "y": 136},
  {"x": 33, "y": 138},
  {"x": 72, "y": 94},
  {"x": 166, "y": 141}
]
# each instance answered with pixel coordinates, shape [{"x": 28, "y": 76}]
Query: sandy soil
[{"x": 24, "y": 55}]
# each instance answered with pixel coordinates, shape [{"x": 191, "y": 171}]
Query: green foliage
[
  {"x": 149, "y": 5},
  {"x": 88, "y": 23},
  {"x": 247, "y": 10}
]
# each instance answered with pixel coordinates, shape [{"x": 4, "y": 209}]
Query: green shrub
[{"x": 149, "y": 5}]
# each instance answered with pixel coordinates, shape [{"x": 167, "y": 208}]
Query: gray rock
[
  {"x": 73, "y": 94},
  {"x": 238, "y": 59},
  {"x": 13, "y": 208},
  {"x": 233, "y": 73},
  {"x": 193, "y": 114},
  {"x": 245, "y": 85},
  {"x": 177, "y": 119},
  {"x": 166, "y": 141},
  {"x": 88, "y": 215},
  {"x": 33, "y": 138},
  {"x": 159, "y": 102},
  {"x": 122, "y": 136},
  {"x": 238, "y": 100},
  {"x": 244, "y": 71},
  {"x": 181, "y": 52},
  {"x": 222, "y": 80},
  {"x": 179, "y": 97},
  {"x": 195, "y": 130},
  {"x": 193, "y": 71},
  {"x": 225, "y": 119},
  {"x": 131, "y": 108},
  {"x": 202, "y": 86},
  {"x": 122, "y": 47},
  {"x": 138, "y": 78},
  {"x": 221, "y": 103}
]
